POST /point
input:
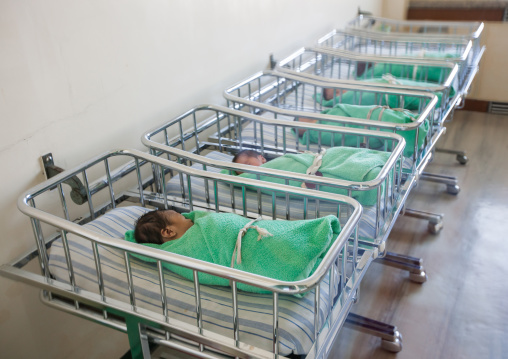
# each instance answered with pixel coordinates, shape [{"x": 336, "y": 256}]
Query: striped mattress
[{"x": 296, "y": 319}]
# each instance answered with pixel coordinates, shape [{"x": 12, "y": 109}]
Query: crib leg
[
  {"x": 413, "y": 265},
  {"x": 137, "y": 339},
  {"x": 435, "y": 219},
  {"x": 451, "y": 182},
  {"x": 461, "y": 155},
  {"x": 391, "y": 339}
]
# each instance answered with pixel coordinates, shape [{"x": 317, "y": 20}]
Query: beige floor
[{"x": 462, "y": 310}]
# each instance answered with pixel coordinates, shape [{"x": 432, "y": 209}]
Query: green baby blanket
[
  {"x": 387, "y": 115},
  {"x": 371, "y": 98},
  {"x": 426, "y": 74},
  {"x": 346, "y": 163},
  {"x": 282, "y": 250}
]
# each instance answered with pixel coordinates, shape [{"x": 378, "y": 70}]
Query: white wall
[{"x": 78, "y": 78}]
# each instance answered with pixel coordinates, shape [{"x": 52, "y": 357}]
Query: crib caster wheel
[
  {"x": 418, "y": 277},
  {"x": 453, "y": 189},
  {"x": 356, "y": 296},
  {"x": 462, "y": 159},
  {"x": 435, "y": 228},
  {"x": 394, "y": 346}
]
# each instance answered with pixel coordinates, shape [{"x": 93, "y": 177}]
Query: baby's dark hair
[
  {"x": 361, "y": 67},
  {"x": 148, "y": 227},
  {"x": 245, "y": 153}
]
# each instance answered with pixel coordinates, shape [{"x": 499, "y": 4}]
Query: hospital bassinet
[
  {"x": 440, "y": 77},
  {"x": 271, "y": 93},
  {"x": 86, "y": 269},
  {"x": 437, "y": 77},
  {"x": 213, "y": 134},
  {"x": 459, "y": 51},
  {"x": 236, "y": 130},
  {"x": 279, "y": 93},
  {"x": 435, "y": 30},
  {"x": 365, "y": 24}
]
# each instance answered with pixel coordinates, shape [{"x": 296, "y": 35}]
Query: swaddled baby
[
  {"x": 278, "y": 249},
  {"x": 372, "y": 112},
  {"x": 344, "y": 163}
]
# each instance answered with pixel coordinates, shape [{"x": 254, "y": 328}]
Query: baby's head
[
  {"x": 161, "y": 226},
  {"x": 361, "y": 67},
  {"x": 249, "y": 157}
]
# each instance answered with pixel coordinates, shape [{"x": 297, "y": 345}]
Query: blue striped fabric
[{"x": 296, "y": 317}]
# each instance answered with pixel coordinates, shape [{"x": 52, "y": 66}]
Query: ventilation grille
[{"x": 499, "y": 108}]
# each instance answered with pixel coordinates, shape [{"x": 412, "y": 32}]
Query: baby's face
[
  {"x": 252, "y": 161},
  {"x": 179, "y": 224}
]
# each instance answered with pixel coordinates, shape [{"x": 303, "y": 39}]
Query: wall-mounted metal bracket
[
  {"x": 272, "y": 63},
  {"x": 360, "y": 12},
  {"x": 78, "y": 192}
]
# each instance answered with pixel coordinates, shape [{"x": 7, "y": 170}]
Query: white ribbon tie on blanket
[
  {"x": 383, "y": 108},
  {"x": 420, "y": 54},
  {"x": 316, "y": 164},
  {"x": 391, "y": 80},
  {"x": 414, "y": 71},
  {"x": 238, "y": 247}
]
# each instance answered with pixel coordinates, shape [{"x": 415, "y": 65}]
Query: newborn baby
[
  {"x": 279, "y": 249},
  {"x": 254, "y": 158},
  {"x": 249, "y": 157},
  {"x": 345, "y": 163},
  {"x": 161, "y": 226}
]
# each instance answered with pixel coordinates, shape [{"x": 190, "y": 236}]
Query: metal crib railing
[
  {"x": 320, "y": 64},
  {"x": 365, "y": 24},
  {"x": 466, "y": 51},
  {"x": 130, "y": 181},
  {"x": 434, "y": 31},
  {"x": 335, "y": 65},
  {"x": 275, "y": 92},
  {"x": 395, "y": 45},
  {"x": 454, "y": 50},
  {"x": 191, "y": 146}
]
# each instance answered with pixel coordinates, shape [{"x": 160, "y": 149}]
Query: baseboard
[
  {"x": 454, "y": 13},
  {"x": 476, "y": 105}
]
